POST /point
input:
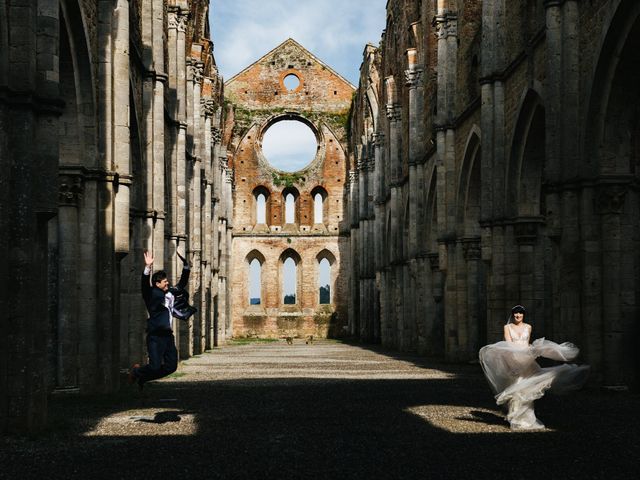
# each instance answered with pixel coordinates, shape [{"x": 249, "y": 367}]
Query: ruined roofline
[{"x": 292, "y": 41}]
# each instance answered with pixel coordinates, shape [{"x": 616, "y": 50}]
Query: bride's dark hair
[{"x": 516, "y": 309}]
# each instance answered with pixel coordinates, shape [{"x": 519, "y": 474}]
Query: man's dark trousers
[{"x": 163, "y": 357}]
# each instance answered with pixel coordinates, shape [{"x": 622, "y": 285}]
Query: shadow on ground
[{"x": 283, "y": 428}]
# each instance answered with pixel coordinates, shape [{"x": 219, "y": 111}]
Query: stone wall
[
  {"x": 113, "y": 149},
  {"x": 502, "y": 174},
  {"x": 260, "y": 99}
]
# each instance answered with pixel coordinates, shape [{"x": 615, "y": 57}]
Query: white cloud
[
  {"x": 289, "y": 145},
  {"x": 336, "y": 31}
]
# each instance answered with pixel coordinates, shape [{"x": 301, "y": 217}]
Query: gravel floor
[{"x": 328, "y": 410}]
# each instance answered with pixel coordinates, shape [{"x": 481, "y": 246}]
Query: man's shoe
[{"x": 133, "y": 378}]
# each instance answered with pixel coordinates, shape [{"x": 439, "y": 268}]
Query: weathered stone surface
[{"x": 260, "y": 99}]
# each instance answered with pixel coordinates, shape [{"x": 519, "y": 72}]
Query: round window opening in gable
[
  {"x": 291, "y": 82},
  {"x": 289, "y": 145}
]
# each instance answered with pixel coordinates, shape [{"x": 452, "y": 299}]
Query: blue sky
[{"x": 335, "y": 31}]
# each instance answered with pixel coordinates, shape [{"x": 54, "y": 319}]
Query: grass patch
[{"x": 176, "y": 375}]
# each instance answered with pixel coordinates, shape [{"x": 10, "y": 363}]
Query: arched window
[
  {"x": 325, "y": 260},
  {"x": 261, "y": 209},
  {"x": 254, "y": 260},
  {"x": 324, "y": 282},
  {"x": 289, "y": 282},
  {"x": 319, "y": 195},
  {"x": 289, "y": 208},
  {"x": 260, "y": 212},
  {"x": 318, "y": 202},
  {"x": 255, "y": 282}
]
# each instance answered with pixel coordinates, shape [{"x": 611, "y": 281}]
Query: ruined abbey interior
[{"x": 489, "y": 156}]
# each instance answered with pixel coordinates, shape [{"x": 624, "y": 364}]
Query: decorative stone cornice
[
  {"x": 353, "y": 177},
  {"x": 393, "y": 112},
  {"x": 378, "y": 139},
  {"x": 434, "y": 261},
  {"x": 70, "y": 190},
  {"x": 446, "y": 25},
  {"x": 198, "y": 72},
  {"x": 208, "y": 106},
  {"x": 172, "y": 17},
  {"x": 413, "y": 77},
  {"x": 553, "y": 3},
  {"x": 182, "y": 20},
  {"x": 216, "y": 135},
  {"x": 526, "y": 229},
  {"x": 610, "y": 199},
  {"x": 471, "y": 248}
]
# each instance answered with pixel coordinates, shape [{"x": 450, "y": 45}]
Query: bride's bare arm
[{"x": 507, "y": 333}]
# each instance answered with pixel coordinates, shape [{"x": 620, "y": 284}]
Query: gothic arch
[
  {"x": 296, "y": 205},
  {"x": 257, "y": 191},
  {"x": 431, "y": 212},
  {"x": 255, "y": 255},
  {"x": 320, "y": 190},
  {"x": 469, "y": 184},
  {"x": 325, "y": 253},
  {"x": 614, "y": 91},
  {"x": 72, "y": 23},
  {"x": 523, "y": 190}
]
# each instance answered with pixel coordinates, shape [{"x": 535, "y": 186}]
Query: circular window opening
[
  {"x": 291, "y": 82},
  {"x": 289, "y": 145}
]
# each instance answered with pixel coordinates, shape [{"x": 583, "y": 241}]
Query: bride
[{"x": 516, "y": 378}]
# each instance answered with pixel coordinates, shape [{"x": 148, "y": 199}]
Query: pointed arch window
[
  {"x": 261, "y": 209},
  {"x": 324, "y": 282},
  {"x": 289, "y": 208},
  {"x": 261, "y": 205},
  {"x": 289, "y": 282},
  {"x": 255, "y": 282},
  {"x": 255, "y": 260},
  {"x": 290, "y": 261},
  {"x": 318, "y": 202},
  {"x": 325, "y": 261},
  {"x": 319, "y": 195},
  {"x": 290, "y": 197}
]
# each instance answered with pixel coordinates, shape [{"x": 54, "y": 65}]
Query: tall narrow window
[
  {"x": 261, "y": 206},
  {"x": 255, "y": 282},
  {"x": 289, "y": 208},
  {"x": 324, "y": 282},
  {"x": 317, "y": 208},
  {"x": 289, "y": 282}
]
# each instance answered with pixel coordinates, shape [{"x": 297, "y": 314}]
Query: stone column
[
  {"x": 67, "y": 312},
  {"x": 471, "y": 248},
  {"x": 395, "y": 160},
  {"x": 610, "y": 201},
  {"x": 493, "y": 161},
  {"x": 354, "y": 319}
]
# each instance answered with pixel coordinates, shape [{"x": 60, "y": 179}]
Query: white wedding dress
[{"x": 518, "y": 380}]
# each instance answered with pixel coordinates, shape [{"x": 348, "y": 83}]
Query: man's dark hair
[{"x": 158, "y": 276}]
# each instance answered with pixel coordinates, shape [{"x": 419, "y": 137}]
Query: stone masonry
[
  {"x": 259, "y": 98},
  {"x": 111, "y": 125},
  {"x": 496, "y": 162}
]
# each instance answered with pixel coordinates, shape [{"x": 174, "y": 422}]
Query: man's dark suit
[{"x": 161, "y": 344}]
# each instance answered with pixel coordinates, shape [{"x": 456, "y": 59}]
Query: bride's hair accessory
[{"x": 516, "y": 309}]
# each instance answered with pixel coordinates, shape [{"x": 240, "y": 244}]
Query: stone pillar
[
  {"x": 493, "y": 162},
  {"x": 354, "y": 320},
  {"x": 395, "y": 160},
  {"x": 610, "y": 201},
  {"x": 471, "y": 248},
  {"x": 68, "y": 255}
]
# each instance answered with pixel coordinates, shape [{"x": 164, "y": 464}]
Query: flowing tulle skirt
[{"x": 518, "y": 380}]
